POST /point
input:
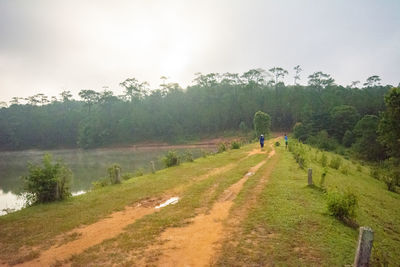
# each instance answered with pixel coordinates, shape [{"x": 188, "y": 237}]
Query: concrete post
[
  {"x": 118, "y": 175},
  {"x": 363, "y": 253},
  {"x": 310, "y": 182},
  {"x": 153, "y": 168}
]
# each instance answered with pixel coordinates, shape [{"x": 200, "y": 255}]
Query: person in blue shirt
[
  {"x": 262, "y": 141},
  {"x": 286, "y": 141}
]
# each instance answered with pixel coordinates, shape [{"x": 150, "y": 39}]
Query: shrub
[
  {"x": 390, "y": 183},
  {"x": 127, "y": 176},
  {"x": 277, "y": 144},
  {"x": 114, "y": 173},
  {"x": 301, "y": 131},
  {"x": 299, "y": 154},
  {"x": 188, "y": 156},
  {"x": 359, "y": 168},
  {"x": 345, "y": 169},
  {"x": 342, "y": 205},
  {"x": 324, "y": 160},
  {"x": 375, "y": 173},
  {"x": 221, "y": 147},
  {"x": 323, "y": 176},
  {"x": 323, "y": 141},
  {"x": 235, "y": 145},
  {"x": 335, "y": 163},
  {"x": 101, "y": 183},
  {"x": 47, "y": 183},
  {"x": 171, "y": 159}
]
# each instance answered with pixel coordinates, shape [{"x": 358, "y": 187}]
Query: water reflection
[{"x": 86, "y": 165}]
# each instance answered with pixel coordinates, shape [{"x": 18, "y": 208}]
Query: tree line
[{"x": 214, "y": 104}]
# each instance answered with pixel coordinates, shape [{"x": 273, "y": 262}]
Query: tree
[
  {"x": 320, "y": 80},
  {"x": 354, "y": 84},
  {"x": 134, "y": 90},
  {"x": 66, "y": 96},
  {"x": 89, "y": 96},
  {"x": 3, "y": 104},
  {"x": 33, "y": 100},
  {"x": 15, "y": 100},
  {"x": 372, "y": 81},
  {"x": 208, "y": 80},
  {"x": 47, "y": 183},
  {"x": 297, "y": 70},
  {"x": 278, "y": 73},
  {"x": 254, "y": 77},
  {"x": 366, "y": 144},
  {"x": 389, "y": 125},
  {"x": 262, "y": 123},
  {"x": 343, "y": 118}
]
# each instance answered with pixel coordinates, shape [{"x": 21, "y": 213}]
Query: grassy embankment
[
  {"x": 290, "y": 224},
  {"x": 31, "y": 230}
]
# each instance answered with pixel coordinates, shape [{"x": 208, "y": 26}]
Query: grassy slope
[
  {"x": 38, "y": 225},
  {"x": 290, "y": 224}
]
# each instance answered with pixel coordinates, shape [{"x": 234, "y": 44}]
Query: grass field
[{"x": 276, "y": 219}]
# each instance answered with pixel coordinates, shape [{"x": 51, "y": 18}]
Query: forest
[{"x": 324, "y": 113}]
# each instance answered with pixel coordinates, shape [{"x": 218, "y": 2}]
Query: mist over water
[{"x": 87, "y": 166}]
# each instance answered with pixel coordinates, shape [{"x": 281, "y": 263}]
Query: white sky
[{"x": 47, "y": 46}]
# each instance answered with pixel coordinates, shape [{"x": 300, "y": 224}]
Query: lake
[{"x": 86, "y": 165}]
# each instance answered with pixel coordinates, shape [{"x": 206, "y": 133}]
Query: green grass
[
  {"x": 290, "y": 224},
  {"x": 32, "y": 226}
]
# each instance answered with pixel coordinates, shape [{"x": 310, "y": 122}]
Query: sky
[{"x": 47, "y": 46}]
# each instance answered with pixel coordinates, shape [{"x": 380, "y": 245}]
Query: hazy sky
[{"x": 50, "y": 46}]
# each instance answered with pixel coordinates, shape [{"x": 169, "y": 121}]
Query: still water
[{"x": 86, "y": 165}]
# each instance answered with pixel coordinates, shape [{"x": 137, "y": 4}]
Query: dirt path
[
  {"x": 95, "y": 233},
  {"x": 80, "y": 239},
  {"x": 195, "y": 245},
  {"x": 88, "y": 236}
]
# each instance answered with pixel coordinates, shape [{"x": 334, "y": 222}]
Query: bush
[
  {"x": 47, "y": 183},
  {"x": 299, "y": 154},
  {"x": 335, "y": 163},
  {"x": 324, "y": 160},
  {"x": 171, "y": 159},
  {"x": 221, "y": 147},
  {"x": 323, "y": 176},
  {"x": 101, "y": 183},
  {"x": 359, "y": 168},
  {"x": 345, "y": 169},
  {"x": 277, "y": 144},
  {"x": 235, "y": 145},
  {"x": 127, "y": 176},
  {"x": 323, "y": 141},
  {"x": 114, "y": 173},
  {"x": 375, "y": 173},
  {"x": 342, "y": 205},
  {"x": 390, "y": 183},
  {"x": 188, "y": 156},
  {"x": 301, "y": 131}
]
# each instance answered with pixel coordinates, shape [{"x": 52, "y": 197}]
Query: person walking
[
  {"x": 286, "y": 141},
  {"x": 262, "y": 141}
]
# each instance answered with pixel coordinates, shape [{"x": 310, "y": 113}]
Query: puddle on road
[{"x": 172, "y": 200}]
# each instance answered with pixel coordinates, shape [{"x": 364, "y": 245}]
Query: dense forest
[{"x": 214, "y": 104}]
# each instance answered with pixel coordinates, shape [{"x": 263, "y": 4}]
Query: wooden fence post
[
  {"x": 363, "y": 253},
  {"x": 310, "y": 182}
]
